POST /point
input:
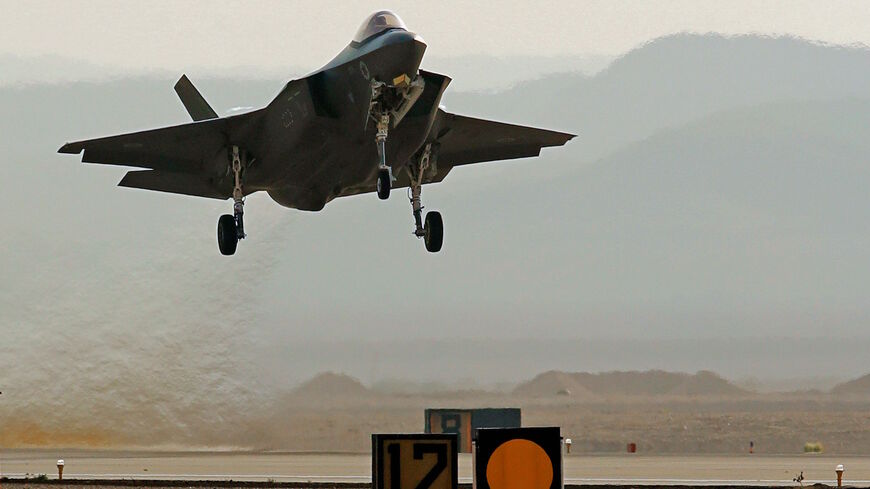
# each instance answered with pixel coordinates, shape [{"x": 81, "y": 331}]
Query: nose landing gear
[
  {"x": 389, "y": 105},
  {"x": 385, "y": 173},
  {"x": 231, "y": 228}
]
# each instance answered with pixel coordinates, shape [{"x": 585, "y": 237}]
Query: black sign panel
[
  {"x": 514, "y": 458},
  {"x": 424, "y": 461}
]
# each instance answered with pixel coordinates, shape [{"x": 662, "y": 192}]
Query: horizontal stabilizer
[
  {"x": 176, "y": 183},
  {"x": 193, "y": 101}
]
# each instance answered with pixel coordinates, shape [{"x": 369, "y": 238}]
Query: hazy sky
[
  {"x": 716, "y": 198},
  {"x": 274, "y": 34}
]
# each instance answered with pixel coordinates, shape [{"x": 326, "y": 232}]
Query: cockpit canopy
[{"x": 378, "y": 22}]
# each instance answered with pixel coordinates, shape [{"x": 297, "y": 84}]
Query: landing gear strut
[
  {"x": 385, "y": 173},
  {"x": 432, "y": 230},
  {"x": 389, "y": 105},
  {"x": 231, "y": 228}
]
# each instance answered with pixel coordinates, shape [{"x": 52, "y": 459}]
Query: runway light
[
  {"x": 840, "y": 475},
  {"x": 568, "y": 444},
  {"x": 60, "y": 470}
]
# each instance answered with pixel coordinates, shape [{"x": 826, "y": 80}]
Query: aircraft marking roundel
[{"x": 519, "y": 464}]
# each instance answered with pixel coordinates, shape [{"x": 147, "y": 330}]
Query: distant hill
[
  {"x": 469, "y": 73},
  {"x": 634, "y": 383},
  {"x": 856, "y": 387},
  {"x": 554, "y": 383},
  {"x": 714, "y": 221},
  {"x": 330, "y": 384},
  {"x": 706, "y": 383},
  {"x": 672, "y": 81},
  {"x": 483, "y": 73}
]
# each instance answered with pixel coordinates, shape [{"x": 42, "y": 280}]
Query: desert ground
[
  {"x": 686, "y": 426},
  {"x": 356, "y": 468},
  {"x": 689, "y": 430},
  {"x": 663, "y": 415}
]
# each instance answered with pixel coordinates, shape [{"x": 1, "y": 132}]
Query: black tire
[
  {"x": 384, "y": 184},
  {"x": 434, "y": 232},
  {"x": 227, "y": 236}
]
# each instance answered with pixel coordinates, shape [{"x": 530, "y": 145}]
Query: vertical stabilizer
[{"x": 193, "y": 101}]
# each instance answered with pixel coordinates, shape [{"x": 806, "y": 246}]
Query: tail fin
[{"x": 193, "y": 101}]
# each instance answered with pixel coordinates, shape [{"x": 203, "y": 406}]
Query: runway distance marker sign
[
  {"x": 518, "y": 458},
  {"x": 415, "y": 461}
]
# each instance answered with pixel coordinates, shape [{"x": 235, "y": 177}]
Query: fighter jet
[{"x": 368, "y": 121}]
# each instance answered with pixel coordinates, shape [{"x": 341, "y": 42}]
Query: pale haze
[
  {"x": 712, "y": 213},
  {"x": 271, "y": 35}
]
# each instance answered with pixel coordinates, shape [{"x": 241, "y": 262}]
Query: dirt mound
[
  {"x": 706, "y": 383},
  {"x": 855, "y": 387},
  {"x": 657, "y": 383},
  {"x": 553, "y": 383},
  {"x": 650, "y": 383},
  {"x": 634, "y": 383},
  {"x": 331, "y": 384}
]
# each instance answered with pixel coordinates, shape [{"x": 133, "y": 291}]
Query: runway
[{"x": 759, "y": 470}]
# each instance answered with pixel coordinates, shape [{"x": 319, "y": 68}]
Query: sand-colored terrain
[
  {"x": 663, "y": 413},
  {"x": 348, "y": 468}
]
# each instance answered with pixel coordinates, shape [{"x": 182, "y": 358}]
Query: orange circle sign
[{"x": 519, "y": 464}]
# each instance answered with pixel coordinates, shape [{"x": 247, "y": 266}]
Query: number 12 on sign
[{"x": 414, "y": 461}]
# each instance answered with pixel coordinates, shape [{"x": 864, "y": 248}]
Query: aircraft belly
[
  {"x": 336, "y": 150},
  {"x": 311, "y": 180}
]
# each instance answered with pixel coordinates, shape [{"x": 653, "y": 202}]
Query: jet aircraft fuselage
[{"x": 344, "y": 86}]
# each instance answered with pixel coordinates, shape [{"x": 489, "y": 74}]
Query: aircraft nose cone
[
  {"x": 403, "y": 53},
  {"x": 399, "y": 36}
]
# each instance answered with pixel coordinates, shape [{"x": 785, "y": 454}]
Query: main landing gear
[
  {"x": 432, "y": 229},
  {"x": 231, "y": 228}
]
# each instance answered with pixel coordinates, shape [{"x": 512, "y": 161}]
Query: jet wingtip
[
  {"x": 564, "y": 137},
  {"x": 70, "y": 149}
]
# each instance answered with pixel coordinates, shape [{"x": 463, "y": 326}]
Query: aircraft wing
[
  {"x": 175, "y": 148},
  {"x": 463, "y": 140},
  {"x": 185, "y": 159}
]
